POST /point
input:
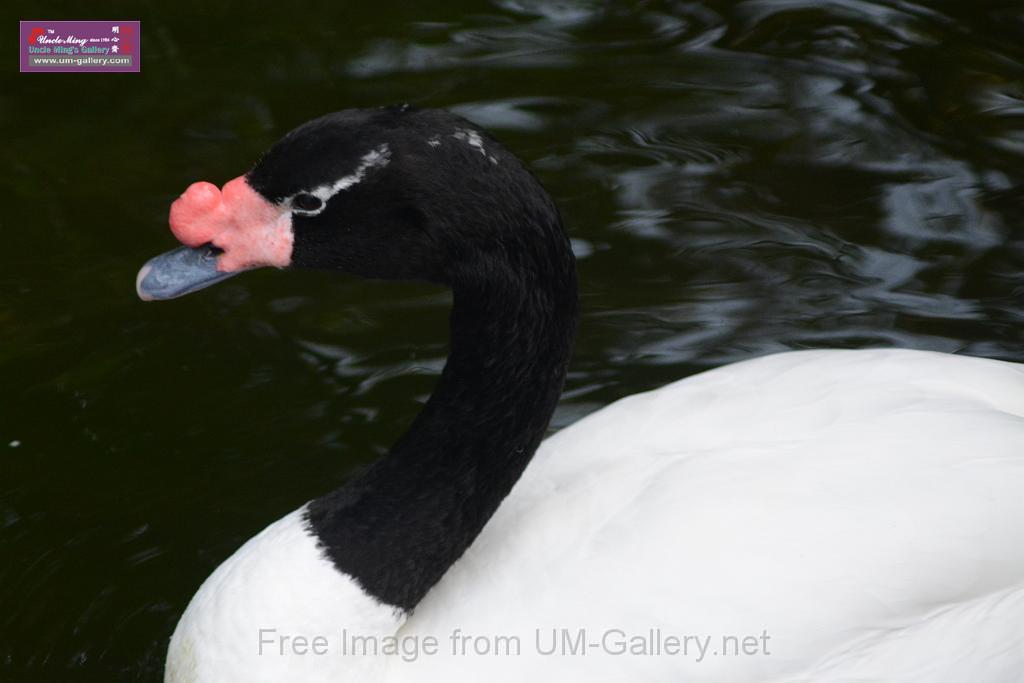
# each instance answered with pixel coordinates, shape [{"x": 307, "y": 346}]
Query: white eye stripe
[{"x": 375, "y": 158}]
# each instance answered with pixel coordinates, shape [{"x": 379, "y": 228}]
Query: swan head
[{"x": 390, "y": 193}]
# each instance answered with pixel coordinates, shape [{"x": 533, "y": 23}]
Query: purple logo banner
[{"x": 63, "y": 46}]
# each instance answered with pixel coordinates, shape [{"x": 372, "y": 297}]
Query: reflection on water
[{"x": 738, "y": 177}]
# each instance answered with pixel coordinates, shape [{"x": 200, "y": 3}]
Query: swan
[{"x": 806, "y": 516}]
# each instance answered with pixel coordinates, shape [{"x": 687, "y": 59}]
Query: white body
[{"x": 859, "y": 514}]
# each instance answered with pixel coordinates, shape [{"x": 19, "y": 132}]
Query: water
[{"x": 739, "y": 178}]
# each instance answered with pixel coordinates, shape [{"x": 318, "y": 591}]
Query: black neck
[{"x": 398, "y": 528}]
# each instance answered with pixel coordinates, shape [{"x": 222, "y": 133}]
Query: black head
[
  {"x": 404, "y": 193},
  {"x": 391, "y": 193}
]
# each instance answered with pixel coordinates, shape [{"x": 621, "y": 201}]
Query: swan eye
[{"x": 307, "y": 203}]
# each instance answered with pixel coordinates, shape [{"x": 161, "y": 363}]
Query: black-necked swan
[{"x": 806, "y": 516}]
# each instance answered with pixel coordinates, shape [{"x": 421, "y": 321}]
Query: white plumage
[{"x": 864, "y": 510}]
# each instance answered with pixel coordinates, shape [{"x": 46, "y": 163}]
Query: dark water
[{"x": 739, "y": 178}]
